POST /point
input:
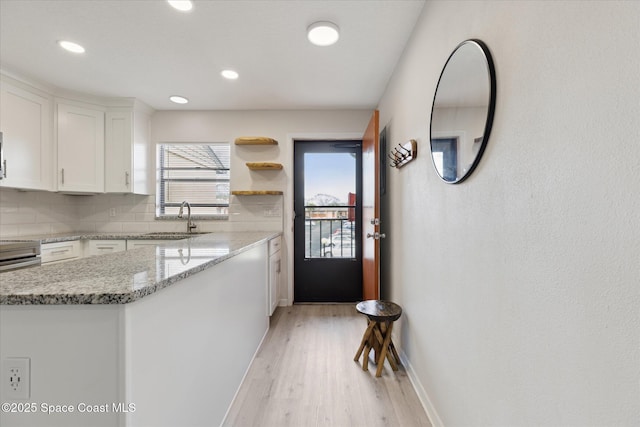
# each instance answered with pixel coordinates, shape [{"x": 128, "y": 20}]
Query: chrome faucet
[{"x": 190, "y": 225}]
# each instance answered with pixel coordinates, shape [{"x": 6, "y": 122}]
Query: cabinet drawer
[
  {"x": 274, "y": 245},
  {"x": 100, "y": 247},
  {"x": 60, "y": 251},
  {"x": 134, "y": 244}
]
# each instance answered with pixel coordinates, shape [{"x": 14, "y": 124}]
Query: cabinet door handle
[
  {"x": 64, "y": 251},
  {"x": 62, "y": 173},
  {"x": 126, "y": 178},
  {"x": 4, "y": 170}
]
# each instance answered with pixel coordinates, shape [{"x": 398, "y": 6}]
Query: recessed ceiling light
[
  {"x": 229, "y": 74},
  {"x": 178, "y": 99},
  {"x": 71, "y": 46},
  {"x": 181, "y": 5},
  {"x": 323, "y": 33}
]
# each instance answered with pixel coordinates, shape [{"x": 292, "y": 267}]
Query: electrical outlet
[
  {"x": 16, "y": 377},
  {"x": 112, "y": 212}
]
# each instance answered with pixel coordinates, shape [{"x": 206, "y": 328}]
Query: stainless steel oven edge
[{"x": 14, "y": 255}]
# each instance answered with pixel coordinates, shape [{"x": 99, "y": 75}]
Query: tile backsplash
[{"x": 26, "y": 213}]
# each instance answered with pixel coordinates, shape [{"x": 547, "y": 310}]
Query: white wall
[{"x": 520, "y": 286}]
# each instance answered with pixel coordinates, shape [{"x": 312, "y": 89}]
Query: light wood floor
[{"x": 304, "y": 375}]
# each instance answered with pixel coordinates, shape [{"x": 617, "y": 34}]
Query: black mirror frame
[{"x": 490, "y": 111}]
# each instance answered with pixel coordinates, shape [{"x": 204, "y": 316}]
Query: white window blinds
[{"x": 197, "y": 173}]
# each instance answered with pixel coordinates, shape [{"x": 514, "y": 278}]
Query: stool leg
[
  {"x": 365, "y": 360},
  {"x": 385, "y": 345},
  {"x": 378, "y": 331},
  {"x": 390, "y": 358},
  {"x": 395, "y": 353},
  {"x": 365, "y": 339}
]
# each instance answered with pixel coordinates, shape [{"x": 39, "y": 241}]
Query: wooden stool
[{"x": 380, "y": 318}]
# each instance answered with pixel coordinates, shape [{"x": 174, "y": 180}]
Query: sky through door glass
[{"x": 329, "y": 178}]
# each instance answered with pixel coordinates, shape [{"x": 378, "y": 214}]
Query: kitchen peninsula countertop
[{"x": 122, "y": 277}]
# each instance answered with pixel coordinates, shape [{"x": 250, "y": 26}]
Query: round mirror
[{"x": 462, "y": 111}]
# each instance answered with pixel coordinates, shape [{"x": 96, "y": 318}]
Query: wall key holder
[{"x": 404, "y": 153}]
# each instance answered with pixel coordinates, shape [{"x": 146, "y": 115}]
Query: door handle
[{"x": 376, "y": 236}]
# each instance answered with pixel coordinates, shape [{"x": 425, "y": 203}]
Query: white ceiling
[{"x": 147, "y": 50}]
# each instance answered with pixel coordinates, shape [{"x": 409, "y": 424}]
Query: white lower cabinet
[
  {"x": 60, "y": 251},
  {"x": 67, "y": 251},
  {"x": 101, "y": 247},
  {"x": 275, "y": 269},
  {"x": 134, "y": 244}
]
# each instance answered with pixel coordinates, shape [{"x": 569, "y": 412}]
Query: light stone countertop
[{"x": 122, "y": 277}]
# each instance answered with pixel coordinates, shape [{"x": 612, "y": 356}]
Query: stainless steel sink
[{"x": 170, "y": 235}]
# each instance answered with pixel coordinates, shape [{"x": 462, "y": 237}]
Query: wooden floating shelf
[
  {"x": 255, "y": 140},
  {"x": 257, "y": 193},
  {"x": 264, "y": 166}
]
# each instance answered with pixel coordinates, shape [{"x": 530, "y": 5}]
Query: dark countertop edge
[{"x": 124, "y": 298}]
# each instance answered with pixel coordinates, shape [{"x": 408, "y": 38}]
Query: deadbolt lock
[{"x": 376, "y": 236}]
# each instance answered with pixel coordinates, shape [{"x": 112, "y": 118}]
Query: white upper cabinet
[
  {"x": 25, "y": 122},
  {"x": 74, "y": 147},
  {"x": 128, "y": 151},
  {"x": 80, "y": 149}
]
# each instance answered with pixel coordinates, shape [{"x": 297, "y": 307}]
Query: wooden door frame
[{"x": 371, "y": 210}]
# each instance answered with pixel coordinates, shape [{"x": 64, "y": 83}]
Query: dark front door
[{"x": 328, "y": 216}]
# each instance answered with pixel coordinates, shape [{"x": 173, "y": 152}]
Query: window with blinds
[{"x": 197, "y": 173}]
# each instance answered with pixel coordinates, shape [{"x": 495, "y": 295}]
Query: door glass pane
[{"x": 330, "y": 201}]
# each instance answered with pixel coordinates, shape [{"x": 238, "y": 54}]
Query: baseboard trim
[{"x": 421, "y": 392}]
